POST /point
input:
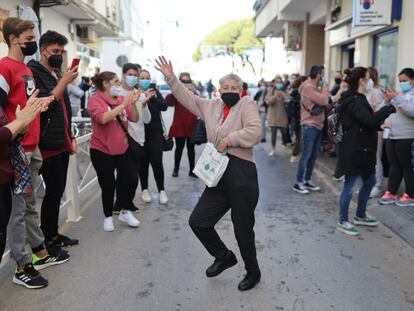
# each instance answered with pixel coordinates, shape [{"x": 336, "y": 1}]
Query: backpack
[{"x": 335, "y": 131}]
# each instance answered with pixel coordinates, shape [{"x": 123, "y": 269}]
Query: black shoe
[
  {"x": 49, "y": 260},
  {"x": 175, "y": 173},
  {"x": 191, "y": 174},
  {"x": 63, "y": 240},
  {"x": 249, "y": 281},
  {"x": 263, "y": 140},
  {"x": 29, "y": 278},
  {"x": 220, "y": 265}
]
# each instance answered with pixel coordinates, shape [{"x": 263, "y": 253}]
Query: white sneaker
[
  {"x": 294, "y": 159},
  {"x": 126, "y": 216},
  {"x": 109, "y": 224},
  {"x": 272, "y": 153},
  {"x": 145, "y": 196},
  {"x": 375, "y": 192},
  {"x": 163, "y": 197}
]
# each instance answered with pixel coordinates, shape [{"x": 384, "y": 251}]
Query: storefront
[{"x": 387, "y": 47}]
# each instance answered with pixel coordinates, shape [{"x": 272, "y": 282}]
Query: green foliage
[{"x": 237, "y": 36}]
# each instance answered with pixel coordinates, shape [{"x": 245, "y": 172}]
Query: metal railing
[{"x": 81, "y": 177}]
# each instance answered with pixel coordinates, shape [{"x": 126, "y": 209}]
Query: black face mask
[
  {"x": 55, "y": 61},
  {"x": 29, "y": 49},
  {"x": 338, "y": 80},
  {"x": 230, "y": 99}
]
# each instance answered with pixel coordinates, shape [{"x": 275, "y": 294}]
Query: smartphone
[
  {"x": 75, "y": 62},
  {"x": 153, "y": 86}
]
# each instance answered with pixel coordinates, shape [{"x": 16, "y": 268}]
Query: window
[{"x": 385, "y": 57}]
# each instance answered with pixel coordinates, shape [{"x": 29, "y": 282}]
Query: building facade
[
  {"x": 301, "y": 25},
  {"x": 386, "y": 47}
]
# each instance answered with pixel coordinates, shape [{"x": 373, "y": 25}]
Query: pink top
[{"x": 108, "y": 138}]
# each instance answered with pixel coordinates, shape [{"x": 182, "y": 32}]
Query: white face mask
[
  {"x": 116, "y": 90},
  {"x": 370, "y": 85}
]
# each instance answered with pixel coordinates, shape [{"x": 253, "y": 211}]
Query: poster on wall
[
  {"x": 3, "y": 15},
  {"x": 371, "y": 12}
]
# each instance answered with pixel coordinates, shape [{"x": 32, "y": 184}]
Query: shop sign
[{"x": 371, "y": 12}]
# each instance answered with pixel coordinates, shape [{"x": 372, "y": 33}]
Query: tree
[{"x": 235, "y": 38}]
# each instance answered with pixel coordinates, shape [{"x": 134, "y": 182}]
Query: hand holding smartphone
[
  {"x": 75, "y": 62},
  {"x": 153, "y": 86}
]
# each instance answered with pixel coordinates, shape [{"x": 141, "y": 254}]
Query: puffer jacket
[
  {"x": 52, "y": 128},
  {"x": 360, "y": 124}
]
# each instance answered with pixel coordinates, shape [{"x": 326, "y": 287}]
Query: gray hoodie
[{"x": 402, "y": 122}]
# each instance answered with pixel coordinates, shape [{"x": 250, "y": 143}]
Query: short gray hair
[{"x": 233, "y": 77}]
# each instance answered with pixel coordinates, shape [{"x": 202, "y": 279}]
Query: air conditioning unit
[
  {"x": 87, "y": 35},
  {"x": 292, "y": 36}
]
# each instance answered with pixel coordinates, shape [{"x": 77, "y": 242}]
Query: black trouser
[
  {"x": 105, "y": 166},
  {"x": 5, "y": 211},
  {"x": 132, "y": 176},
  {"x": 54, "y": 171},
  {"x": 298, "y": 140},
  {"x": 284, "y": 132},
  {"x": 237, "y": 190},
  {"x": 179, "y": 147},
  {"x": 399, "y": 157},
  {"x": 152, "y": 154}
]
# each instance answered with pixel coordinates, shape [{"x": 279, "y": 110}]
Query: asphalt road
[{"x": 306, "y": 264}]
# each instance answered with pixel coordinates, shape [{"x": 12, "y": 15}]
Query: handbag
[
  {"x": 167, "y": 143},
  {"x": 211, "y": 165},
  {"x": 335, "y": 127},
  {"x": 315, "y": 110},
  {"x": 133, "y": 145},
  {"x": 199, "y": 133}
]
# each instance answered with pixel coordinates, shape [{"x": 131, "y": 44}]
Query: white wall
[{"x": 405, "y": 36}]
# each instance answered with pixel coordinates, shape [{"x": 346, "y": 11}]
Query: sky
[{"x": 197, "y": 18}]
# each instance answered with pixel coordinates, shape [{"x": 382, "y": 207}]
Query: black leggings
[
  {"x": 399, "y": 157},
  {"x": 152, "y": 155},
  {"x": 105, "y": 166},
  {"x": 180, "y": 142},
  {"x": 5, "y": 210}
]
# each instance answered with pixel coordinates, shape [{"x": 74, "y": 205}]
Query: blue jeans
[
  {"x": 311, "y": 143},
  {"x": 368, "y": 182}
]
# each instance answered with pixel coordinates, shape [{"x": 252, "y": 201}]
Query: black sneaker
[
  {"x": 29, "y": 278},
  {"x": 175, "y": 173},
  {"x": 300, "y": 189},
  {"x": 191, "y": 174},
  {"x": 49, "y": 260},
  {"x": 63, "y": 240},
  {"x": 310, "y": 186}
]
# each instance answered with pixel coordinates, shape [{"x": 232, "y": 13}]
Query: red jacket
[{"x": 183, "y": 121}]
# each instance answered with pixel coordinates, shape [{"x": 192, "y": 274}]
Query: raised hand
[
  {"x": 164, "y": 67},
  {"x": 70, "y": 75},
  {"x": 33, "y": 107}
]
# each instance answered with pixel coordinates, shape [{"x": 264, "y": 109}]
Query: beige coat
[
  {"x": 241, "y": 127},
  {"x": 276, "y": 111}
]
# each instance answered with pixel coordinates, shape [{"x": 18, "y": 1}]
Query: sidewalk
[{"x": 398, "y": 219}]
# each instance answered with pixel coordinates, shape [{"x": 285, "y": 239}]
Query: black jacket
[
  {"x": 52, "y": 129},
  {"x": 155, "y": 106},
  {"x": 360, "y": 124},
  {"x": 294, "y": 108}
]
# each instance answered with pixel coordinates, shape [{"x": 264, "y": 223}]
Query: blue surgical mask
[
  {"x": 279, "y": 86},
  {"x": 131, "y": 81},
  {"x": 321, "y": 81},
  {"x": 144, "y": 84},
  {"x": 405, "y": 86}
]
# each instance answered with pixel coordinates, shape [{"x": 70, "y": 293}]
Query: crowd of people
[
  {"x": 376, "y": 127},
  {"x": 38, "y": 99}
]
